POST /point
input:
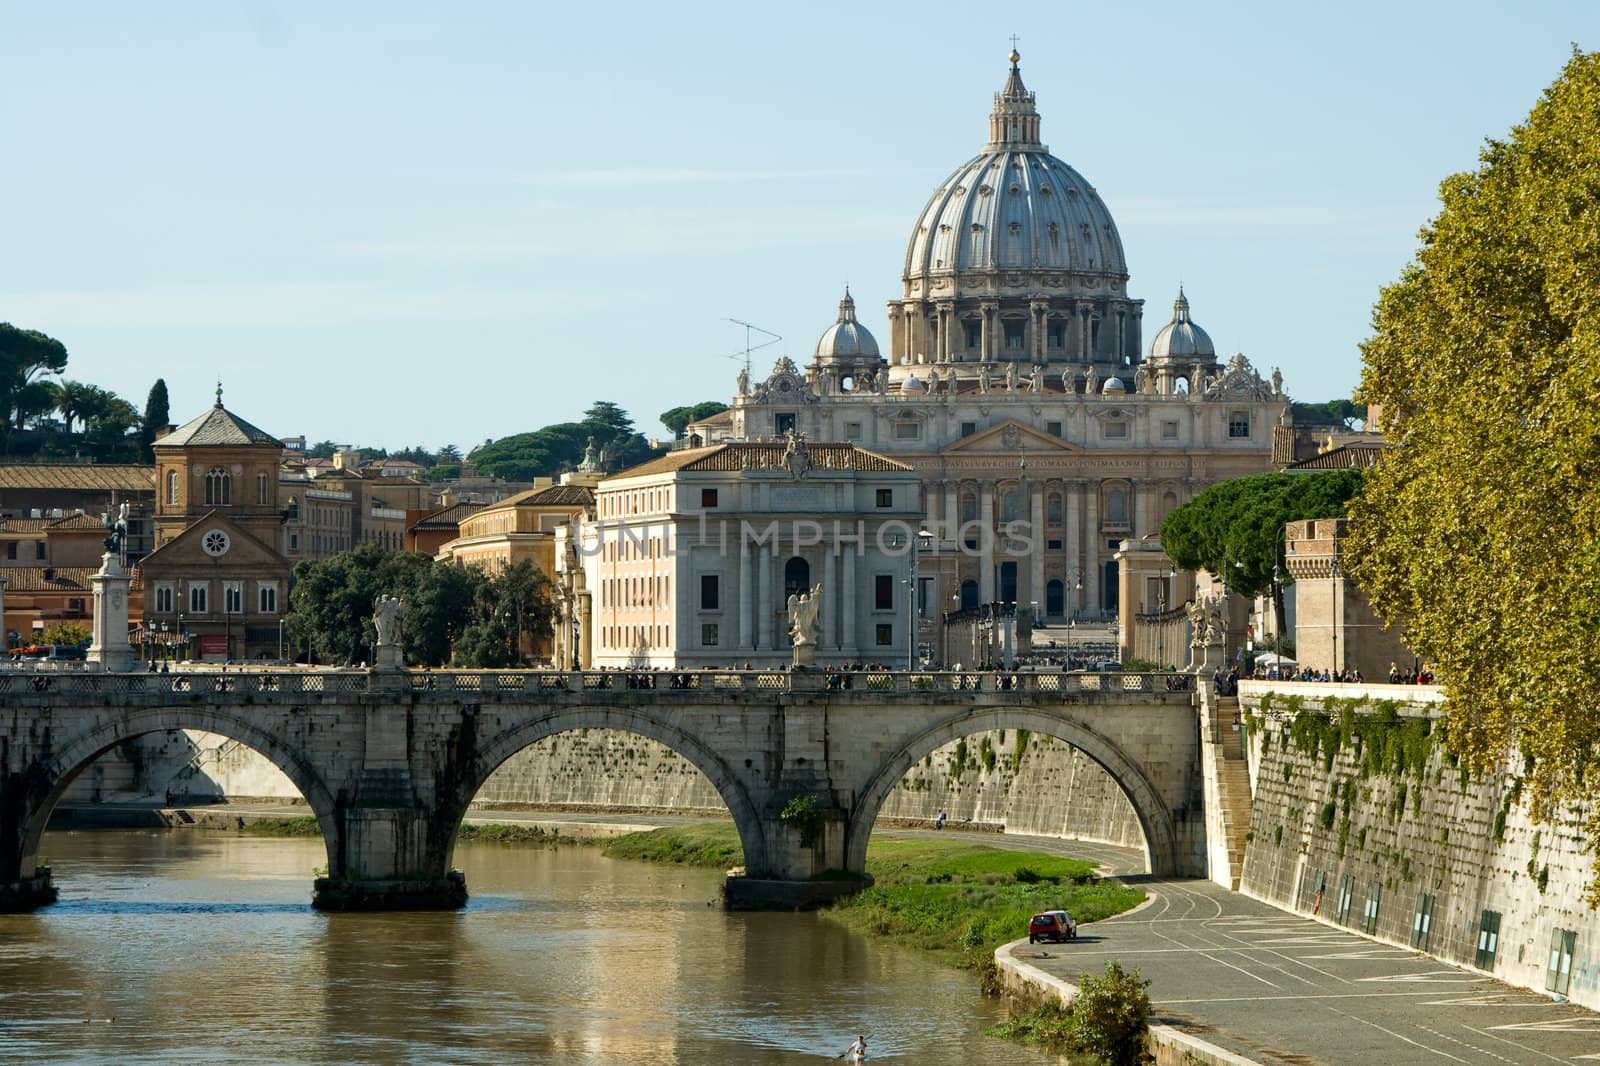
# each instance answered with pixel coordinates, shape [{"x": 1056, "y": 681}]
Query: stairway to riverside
[{"x": 1233, "y": 785}]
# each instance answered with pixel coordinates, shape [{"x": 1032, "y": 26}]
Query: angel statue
[
  {"x": 803, "y": 609},
  {"x": 386, "y": 614}
]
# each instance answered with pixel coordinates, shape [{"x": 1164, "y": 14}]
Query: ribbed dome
[
  {"x": 1181, "y": 339},
  {"x": 847, "y": 338},
  {"x": 1015, "y": 207},
  {"x": 1113, "y": 385}
]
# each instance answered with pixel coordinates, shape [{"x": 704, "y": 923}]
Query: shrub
[
  {"x": 804, "y": 816},
  {"x": 1111, "y": 1016}
]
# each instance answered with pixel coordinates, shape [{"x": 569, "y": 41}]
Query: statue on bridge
[
  {"x": 387, "y": 611},
  {"x": 803, "y": 611}
]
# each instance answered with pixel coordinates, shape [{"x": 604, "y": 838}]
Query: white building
[{"x": 690, "y": 559}]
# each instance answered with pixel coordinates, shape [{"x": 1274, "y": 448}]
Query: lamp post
[
  {"x": 922, "y": 538},
  {"x": 1333, "y": 614},
  {"x": 1074, "y": 575},
  {"x": 280, "y": 638}
]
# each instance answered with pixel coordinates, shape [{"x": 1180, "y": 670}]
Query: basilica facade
[{"x": 1018, "y": 387}]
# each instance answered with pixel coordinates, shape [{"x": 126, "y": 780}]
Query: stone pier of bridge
[{"x": 388, "y": 761}]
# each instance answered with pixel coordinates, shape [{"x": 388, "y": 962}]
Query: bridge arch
[
  {"x": 493, "y": 750},
  {"x": 1155, "y": 819},
  {"x": 80, "y": 750}
]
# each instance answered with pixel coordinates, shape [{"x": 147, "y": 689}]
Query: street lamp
[
  {"x": 280, "y": 638},
  {"x": 922, "y": 539}
]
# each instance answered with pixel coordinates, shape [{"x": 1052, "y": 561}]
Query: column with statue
[{"x": 111, "y": 649}]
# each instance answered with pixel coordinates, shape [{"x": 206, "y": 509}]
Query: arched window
[
  {"x": 1010, "y": 503},
  {"x": 1055, "y": 598},
  {"x": 1169, "y": 503},
  {"x": 969, "y": 594},
  {"x": 173, "y": 494},
  {"x": 969, "y": 508},
  {"x": 796, "y": 577},
  {"x": 1053, "y": 509},
  {"x": 219, "y": 487},
  {"x": 261, "y": 490},
  {"x": 1117, "y": 508}
]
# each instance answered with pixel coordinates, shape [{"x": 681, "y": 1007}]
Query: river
[{"x": 190, "y": 947}]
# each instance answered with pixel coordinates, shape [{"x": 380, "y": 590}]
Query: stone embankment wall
[
  {"x": 1052, "y": 790},
  {"x": 1361, "y": 819}
]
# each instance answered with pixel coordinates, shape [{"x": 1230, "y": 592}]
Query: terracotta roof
[
  {"x": 218, "y": 427},
  {"x": 77, "y": 523},
  {"x": 62, "y": 579},
  {"x": 765, "y": 455},
  {"x": 721, "y": 418},
  {"x": 1344, "y": 457},
  {"x": 549, "y": 496},
  {"x": 448, "y": 517},
  {"x": 81, "y": 477}
]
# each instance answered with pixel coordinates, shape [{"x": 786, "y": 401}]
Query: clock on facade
[{"x": 214, "y": 542}]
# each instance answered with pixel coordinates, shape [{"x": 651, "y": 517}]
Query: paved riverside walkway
[{"x": 1260, "y": 982}]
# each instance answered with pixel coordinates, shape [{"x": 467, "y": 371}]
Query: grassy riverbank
[
  {"x": 954, "y": 898},
  {"x": 486, "y": 833}
]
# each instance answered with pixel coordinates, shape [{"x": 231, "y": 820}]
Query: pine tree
[{"x": 155, "y": 418}]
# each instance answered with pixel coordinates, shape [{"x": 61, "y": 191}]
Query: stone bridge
[{"x": 388, "y": 761}]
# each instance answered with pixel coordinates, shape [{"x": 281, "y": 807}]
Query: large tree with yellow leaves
[{"x": 1481, "y": 532}]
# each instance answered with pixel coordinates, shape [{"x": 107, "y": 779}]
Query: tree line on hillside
[
  {"x": 62, "y": 419},
  {"x": 455, "y": 615}
]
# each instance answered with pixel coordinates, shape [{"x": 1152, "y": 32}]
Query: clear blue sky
[{"x": 400, "y": 223}]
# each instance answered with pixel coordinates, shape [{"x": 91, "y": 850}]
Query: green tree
[
  {"x": 1241, "y": 521},
  {"x": 1111, "y": 1016},
  {"x": 24, "y": 355},
  {"x": 448, "y": 454},
  {"x": 1480, "y": 532},
  {"x": 1343, "y": 413},
  {"x": 157, "y": 416},
  {"x": 677, "y": 419},
  {"x": 66, "y": 633},
  {"x": 548, "y": 451}
]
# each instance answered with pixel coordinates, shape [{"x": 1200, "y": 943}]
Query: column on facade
[
  {"x": 847, "y": 601},
  {"x": 1036, "y": 321},
  {"x": 830, "y": 599},
  {"x": 983, "y": 331},
  {"x": 1073, "y": 542},
  {"x": 746, "y": 597},
  {"x": 1083, "y": 331},
  {"x": 764, "y": 601},
  {"x": 952, "y": 513},
  {"x": 945, "y": 322},
  {"x": 1141, "y": 509},
  {"x": 1036, "y": 555},
  {"x": 986, "y": 589},
  {"x": 1091, "y": 553}
]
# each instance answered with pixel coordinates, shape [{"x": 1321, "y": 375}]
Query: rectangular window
[
  {"x": 232, "y": 597},
  {"x": 924, "y": 595},
  {"x": 1169, "y": 431},
  {"x": 1013, "y": 328},
  {"x": 1369, "y": 916},
  {"x": 708, "y": 634},
  {"x": 974, "y": 335},
  {"x": 883, "y": 592},
  {"x": 708, "y": 497},
  {"x": 1488, "y": 940},
  {"x": 908, "y": 431},
  {"x": 163, "y": 599},
  {"x": 886, "y": 497},
  {"x": 1058, "y": 335},
  {"x": 1116, "y": 429},
  {"x": 783, "y": 422},
  {"x": 709, "y": 592},
  {"x": 268, "y": 599},
  {"x": 1239, "y": 424},
  {"x": 41, "y": 549},
  {"x": 294, "y": 542},
  {"x": 198, "y": 598},
  {"x": 1053, "y": 428},
  {"x": 11, "y": 549},
  {"x": 885, "y": 634},
  {"x": 1558, "y": 978},
  {"x": 1053, "y": 545},
  {"x": 1346, "y": 891},
  {"x": 968, "y": 428},
  {"x": 852, "y": 431},
  {"x": 1422, "y": 922}
]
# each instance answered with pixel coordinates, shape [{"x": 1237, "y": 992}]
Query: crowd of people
[{"x": 1417, "y": 675}]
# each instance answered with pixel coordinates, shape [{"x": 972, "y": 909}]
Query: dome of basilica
[
  {"x": 1015, "y": 206},
  {"x": 847, "y": 338},
  {"x": 1181, "y": 340}
]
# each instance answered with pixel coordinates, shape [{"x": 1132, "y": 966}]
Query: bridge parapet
[{"x": 450, "y": 686}]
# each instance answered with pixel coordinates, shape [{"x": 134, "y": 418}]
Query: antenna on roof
[{"x": 745, "y": 355}]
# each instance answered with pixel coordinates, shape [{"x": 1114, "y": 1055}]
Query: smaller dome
[
  {"x": 1181, "y": 339},
  {"x": 913, "y": 385},
  {"x": 847, "y": 338},
  {"x": 1113, "y": 385}
]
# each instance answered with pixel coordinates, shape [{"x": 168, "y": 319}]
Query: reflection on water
[{"x": 194, "y": 947}]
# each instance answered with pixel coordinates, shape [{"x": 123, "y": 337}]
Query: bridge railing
[{"x": 504, "y": 683}]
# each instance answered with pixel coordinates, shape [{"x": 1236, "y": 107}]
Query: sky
[{"x": 394, "y": 224}]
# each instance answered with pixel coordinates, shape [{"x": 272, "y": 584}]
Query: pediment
[
  {"x": 1008, "y": 437},
  {"x": 244, "y": 549}
]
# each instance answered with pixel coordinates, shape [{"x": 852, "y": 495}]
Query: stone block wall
[{"x": 1371, "y": 826}]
